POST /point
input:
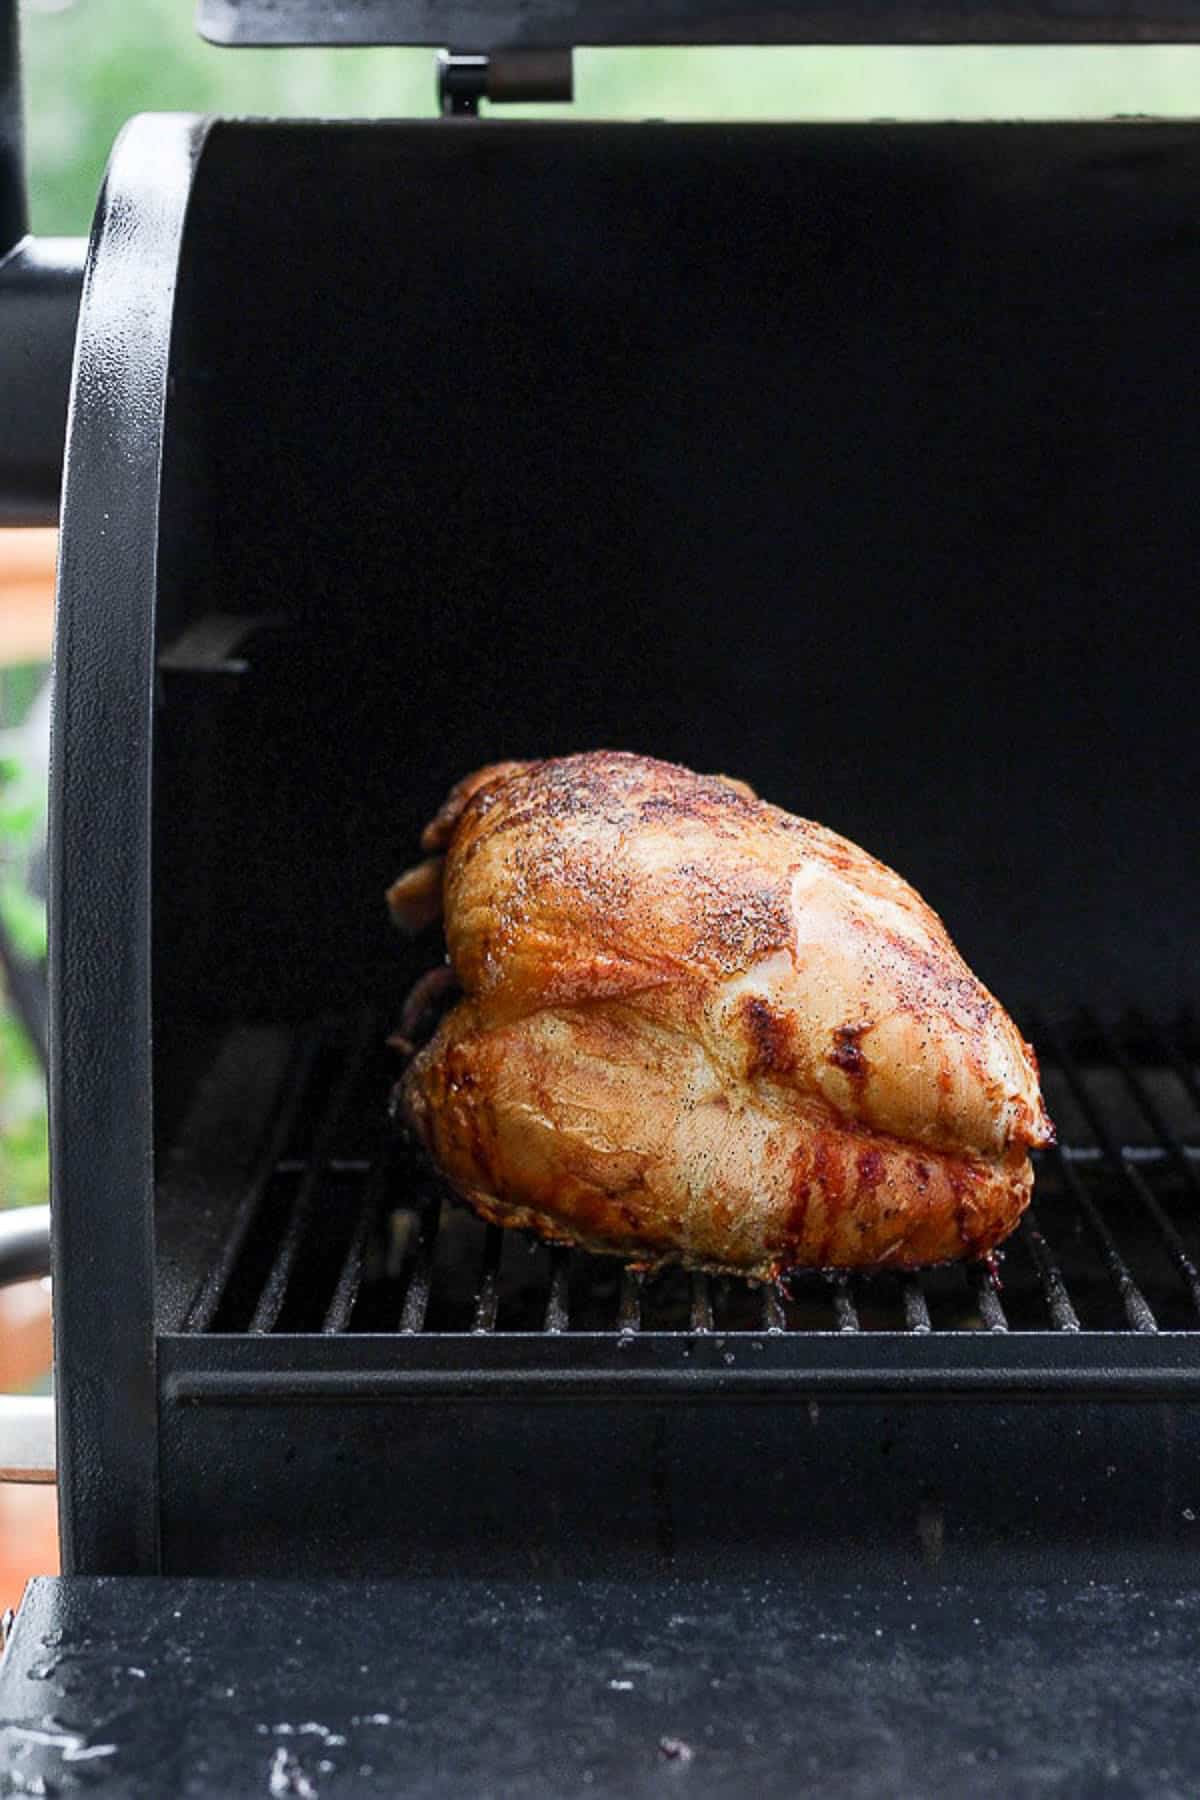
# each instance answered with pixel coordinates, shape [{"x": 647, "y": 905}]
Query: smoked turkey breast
[{"x": 696, "y": 1029}]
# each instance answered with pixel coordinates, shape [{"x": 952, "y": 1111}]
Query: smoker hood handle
[{"x": 27, "y": 1445}]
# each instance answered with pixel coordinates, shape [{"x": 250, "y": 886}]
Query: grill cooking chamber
[{"x": 845, "y": 459}]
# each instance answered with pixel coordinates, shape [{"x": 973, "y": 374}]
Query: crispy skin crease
[{"x": 698, "y": 1029}]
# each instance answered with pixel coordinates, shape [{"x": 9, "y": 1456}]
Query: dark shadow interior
[{"x": 854, "y": 461}]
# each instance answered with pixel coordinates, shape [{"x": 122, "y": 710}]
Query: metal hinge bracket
[{"x": 501, "y": 76}]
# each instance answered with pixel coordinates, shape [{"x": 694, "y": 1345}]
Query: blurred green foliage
[
  {"x": 24, "y": 1176},
  {"x": 23, "y": 1148},
  {"x": 90, "y": 64}
]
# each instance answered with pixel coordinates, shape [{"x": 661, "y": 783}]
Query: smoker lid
[{"x": 541, "y": 24}]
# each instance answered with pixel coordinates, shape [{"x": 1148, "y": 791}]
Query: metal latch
[{"x": 502, "y": 76}]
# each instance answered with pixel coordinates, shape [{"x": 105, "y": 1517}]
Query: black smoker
[{"x": 856, "y": 460}]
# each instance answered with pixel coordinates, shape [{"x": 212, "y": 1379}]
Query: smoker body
[{"x": 848, "y": 459}]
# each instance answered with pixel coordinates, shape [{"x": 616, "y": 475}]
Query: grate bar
[
  {"x": 558, "y": 1312},
  {"x": 270, "y": 1301},
  {"x": 1149, "y": 1155},
  {"x": 773, "y": 1316},
  {"x": 987, "y": 1294},
  {"x": 702, "y": 1312},
  {"x": 629, "y": 1305},
  {"x": 416, "y": 1294},
  {"x": 845, "y": 1311},
  {"x": 1179, "y": 1061},
  {"x": 1151, "y": 1109},
  {"x": 488, "y": 1302},
  {"x": 204, "y": 1307},
  {"x": 1137, "y": 1308},
  {"x": 1062, "y": 1314},
  {"x": 916, "y": 1307},
  {"x": 1132, "y": 1176},
  {"x": 337, "y": 1316}
]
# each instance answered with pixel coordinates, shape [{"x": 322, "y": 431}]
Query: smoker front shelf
[{"x": 147, "y": 1687}]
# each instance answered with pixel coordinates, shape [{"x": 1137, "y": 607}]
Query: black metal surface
[
  {"x": 341, "y": 1228},
  {"x": 391, "y": 1456},
  {"x": 461, "y": 84},
  {"x": 39, "y": 304},
  {"x": 223, "y": 1372},
  {"x": 504, "y": 76},
  {"x": 99, "y": 901},
  {"x": 24, "y": 1243},
  {"x": 556, "y": 1688},
  {"x": 491, "y": 24},
  {"x": 14, "y": 221}
]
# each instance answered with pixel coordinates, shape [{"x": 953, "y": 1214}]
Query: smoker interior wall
[
  {"x": 857, "y": 461},
  {"x": 970, "y": 1492}
]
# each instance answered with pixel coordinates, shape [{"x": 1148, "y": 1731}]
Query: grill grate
[{"x": 342, "y": 1230}]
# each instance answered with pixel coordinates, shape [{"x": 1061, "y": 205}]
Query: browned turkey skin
[{"x": 697, "y": 1029}]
